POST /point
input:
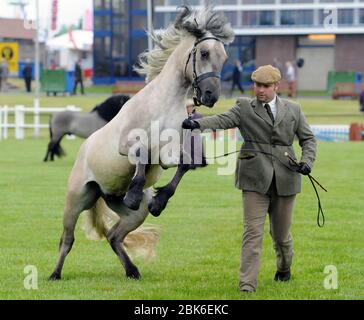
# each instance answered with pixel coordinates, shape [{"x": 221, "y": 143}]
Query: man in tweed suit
[{"x": 268, "y": 179}]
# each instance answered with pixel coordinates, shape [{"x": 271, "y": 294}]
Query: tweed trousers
[{"x": 280, "y": 210}]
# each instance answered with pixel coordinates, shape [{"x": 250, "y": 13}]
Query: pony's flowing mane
[{"x": 187, "y": 23}]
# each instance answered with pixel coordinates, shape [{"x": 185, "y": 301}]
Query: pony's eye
[{"x": 204, "y": 54}]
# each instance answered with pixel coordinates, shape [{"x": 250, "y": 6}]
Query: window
[
  {"x": 139, "y": 4},
  {"x": 119, "y": 46},
  {"x": 179, "y": 2},
  {"x": 266, "y": 18},
  {"x": 361, "y": 16},
  {"x": 232, "y": 17},
  {"x": 101, "y": 62},
  {"x": 250, "y": 18},
  {"x": 163, "y": 19},
  {"x": 227, "y": 2},
  {"x": 101, "y": 4},
  {"x": 341, "y": 17},
  {"x": 120, "y": 8},
  {"x": 102, "y": 23},
  {"x": 258, "y": 1},
  {"x": 298, "y": 18},
  {"x": 258, "y": 18},
  {"x": 345, "y": 16},
  {"x": 139, "y": 22},
  {"x": 296, "y": 1},
  {"x": 334, "y": 1}
]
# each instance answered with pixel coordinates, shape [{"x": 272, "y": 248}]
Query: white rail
[{"x": 19, "y": 125}]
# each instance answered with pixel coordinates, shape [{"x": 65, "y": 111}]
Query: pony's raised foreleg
[
  {"x": 163, "y": 194},
  {"x": 134, "y": 195},
  {"x": 76, "y": 203}
]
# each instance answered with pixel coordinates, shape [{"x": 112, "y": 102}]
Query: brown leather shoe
[{"x": 282, "y": 276}]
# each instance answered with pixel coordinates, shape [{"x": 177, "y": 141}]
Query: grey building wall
[{"x": 318, "y": 62}]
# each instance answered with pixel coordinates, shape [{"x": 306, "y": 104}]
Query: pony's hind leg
[
  {"x": 54, "y": 149},
  {"x": 115, "y": 237},
  {"x": 48, "y": 153},
  {"x": 58, "y": 127},
  {"x": 77, "y": 201},
  {"x": 129, "y": 221}
]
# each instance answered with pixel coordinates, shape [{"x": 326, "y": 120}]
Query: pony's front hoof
[
  {"x": 133, "y": 274},
  {"x": 154, "y": 208},
  {"x": 131, "y": 202},
  {"x": 54, "y": 277}
]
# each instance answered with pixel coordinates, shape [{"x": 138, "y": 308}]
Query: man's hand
[
  {"x": 190, "y": 124},
  {"x": 304, "y": 168}
]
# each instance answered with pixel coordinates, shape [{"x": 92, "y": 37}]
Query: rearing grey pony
[
  {"x": 80, "y": 124},
  {"x": 103, "y": 180}
]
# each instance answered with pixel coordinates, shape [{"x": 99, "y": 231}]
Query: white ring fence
[{"x": 18, "y": 114}]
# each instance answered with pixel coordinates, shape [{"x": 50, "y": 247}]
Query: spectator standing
[
  {"x": 279, "y": 65},
  {"x": 291, "y": 79},
  {"x": 361, "y": 101},
  {"x": 27, "y": 76},
  {"x": 78, "y": 78},
  {"x": 237, "y": 73},
  {"x": 4, "y": 71}
]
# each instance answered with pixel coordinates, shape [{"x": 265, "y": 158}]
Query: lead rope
[{"x": 320, "y": 212}]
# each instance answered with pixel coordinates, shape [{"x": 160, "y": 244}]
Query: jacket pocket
[{"x": 247, "y": 155}]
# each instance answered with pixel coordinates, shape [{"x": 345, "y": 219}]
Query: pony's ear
[
  {"x": 185, "y": 11},
  {"x": 183, "y": 22},
  {"x": 193, "y": 28}
]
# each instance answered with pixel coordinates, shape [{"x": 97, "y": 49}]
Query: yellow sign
[{"x": 10, "y": 52}]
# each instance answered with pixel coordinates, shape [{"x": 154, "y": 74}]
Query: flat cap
[
  {"x": 266, "y": 75},
  {"x": 189, "y": 102}
]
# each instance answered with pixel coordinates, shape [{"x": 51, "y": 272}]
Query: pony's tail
[
  {"x": 50, "y": 128},
  {"x": 139, "y": 243}
]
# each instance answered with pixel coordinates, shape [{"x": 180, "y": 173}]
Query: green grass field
[{"x": 199, "y": 251}]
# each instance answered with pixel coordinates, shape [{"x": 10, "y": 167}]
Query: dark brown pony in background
[{"x": 81, "y": 124}]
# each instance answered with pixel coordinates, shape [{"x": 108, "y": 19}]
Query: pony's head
[
  {"x": 202, "y": 68},
  {"x": 207, "y": 57}
]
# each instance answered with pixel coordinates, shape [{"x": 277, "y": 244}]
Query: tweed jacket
[{"x": 255, "y": 170}]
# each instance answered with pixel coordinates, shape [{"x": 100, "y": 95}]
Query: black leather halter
[{"x": 198, "y": 79}]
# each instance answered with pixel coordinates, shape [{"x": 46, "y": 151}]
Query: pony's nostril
[{"x": 208, "y": 93}]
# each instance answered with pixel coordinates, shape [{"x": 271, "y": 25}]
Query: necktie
[{"x": 269, "y": 111}]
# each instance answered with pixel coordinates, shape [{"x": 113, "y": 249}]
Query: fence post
[
  {"x": 36, "y": 114},
  {"x": 5, "y": 121},
  {"x": 19, "y": 122},
  {"x": 71, "y": 108}
]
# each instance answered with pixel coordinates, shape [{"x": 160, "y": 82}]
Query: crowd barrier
[{"x": 332, "y": 133}]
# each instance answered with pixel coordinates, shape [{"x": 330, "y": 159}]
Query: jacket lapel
[
  {"x": 282, "y": 109},
  {"x": 261, "y": 111}
]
